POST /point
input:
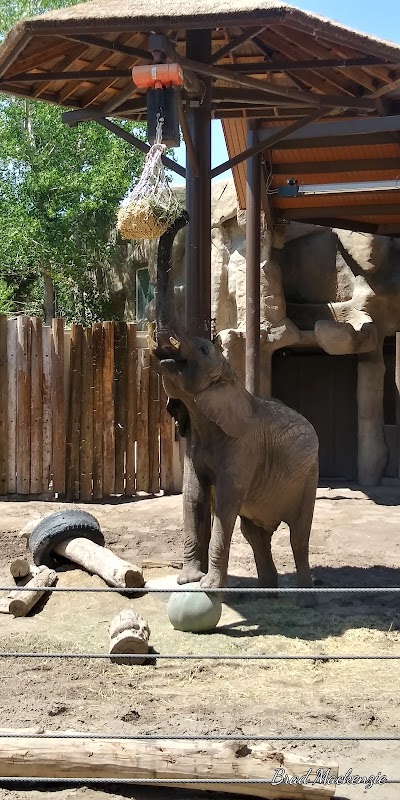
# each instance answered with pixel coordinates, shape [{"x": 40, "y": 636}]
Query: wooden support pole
[
  {"x": 397, "y": 382},
  {"x": 198, "y": 201},
  {"x": 253, "y": 212},
  {"x": 125, "y": 759}
]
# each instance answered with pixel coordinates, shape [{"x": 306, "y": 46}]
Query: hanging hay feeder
[{"x": 151, "y": 207}]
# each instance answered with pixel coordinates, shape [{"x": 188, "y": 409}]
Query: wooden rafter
[
  {"x": 333, "y": 167},
  {"x": 234, "y": 43},
  {"x": 283, "y": 65},
  {"x": 277, "y": 136},
  {"x": 68, "y": 61},
  {"x": 142, "y": 146},
  {"x": 325, "y": 212},
  {"x": 115, "y": 47},
  {"x": 309, "y": 98}
]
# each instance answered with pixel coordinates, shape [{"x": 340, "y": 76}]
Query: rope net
[{"x": 150, "y": 208}]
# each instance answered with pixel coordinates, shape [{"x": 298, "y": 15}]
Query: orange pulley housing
[{"x": 156, "y": 76}]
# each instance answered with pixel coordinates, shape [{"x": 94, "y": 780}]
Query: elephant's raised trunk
[{"x": 167, "y": 328}]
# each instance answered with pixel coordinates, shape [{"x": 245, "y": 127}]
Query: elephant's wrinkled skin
[{"x": 261, "y": 457}]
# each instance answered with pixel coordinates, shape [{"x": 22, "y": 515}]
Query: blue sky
[{"x": 380, "y": 18}]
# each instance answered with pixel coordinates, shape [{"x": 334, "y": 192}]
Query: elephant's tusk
[{"x": 174, "y": 342}]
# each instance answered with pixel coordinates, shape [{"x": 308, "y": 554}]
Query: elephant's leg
[
  {"x": 226, "y": 511},
  {"x": 196, "y": 525},
  {"x": 300, "y": 529},
  {"x": 260, "y": 541}
]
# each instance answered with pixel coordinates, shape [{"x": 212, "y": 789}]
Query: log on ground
[
  {"x": 90, "y": 758},
  {"x": 129, "y": 633},
  {"x": 101, "y": 561},
  {"x": 21, "y": 602}
]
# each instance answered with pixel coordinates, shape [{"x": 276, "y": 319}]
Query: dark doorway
[{"x": 324, "y": 389}]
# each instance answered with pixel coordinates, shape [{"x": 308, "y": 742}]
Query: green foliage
[{"x": 59, "y": 192}]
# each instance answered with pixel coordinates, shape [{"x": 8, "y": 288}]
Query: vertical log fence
[{"x": 82, "y": 412}]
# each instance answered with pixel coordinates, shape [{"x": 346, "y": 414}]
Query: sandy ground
[{"x": 355, "y": 542}]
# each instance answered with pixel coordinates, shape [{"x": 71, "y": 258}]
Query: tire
[{"x": 56, "y": 528}]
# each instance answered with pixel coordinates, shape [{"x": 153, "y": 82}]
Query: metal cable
[
  {"x": 201, "y": 657},
  {"x": 143, "y": 737},
  {"x": 228, "y": 590},
  {"x": 162, "y": 781}
]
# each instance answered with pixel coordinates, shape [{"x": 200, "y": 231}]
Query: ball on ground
[{"x": 195, "y": 612}]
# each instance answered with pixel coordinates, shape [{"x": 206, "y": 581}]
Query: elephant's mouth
[{"x": 172, "y": 364}]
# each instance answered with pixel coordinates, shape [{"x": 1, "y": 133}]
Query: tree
[{"x": 59, "y": 191}]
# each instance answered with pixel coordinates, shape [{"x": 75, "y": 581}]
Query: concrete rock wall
[{"x": 333, "y": 289}]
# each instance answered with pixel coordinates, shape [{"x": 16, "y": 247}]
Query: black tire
[{"x": 56, "y": 528}]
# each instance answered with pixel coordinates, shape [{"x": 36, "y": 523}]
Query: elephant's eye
[{"x": 204, "y": 349}]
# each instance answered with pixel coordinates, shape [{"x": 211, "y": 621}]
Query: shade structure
[{"x": 269, "y": 62}]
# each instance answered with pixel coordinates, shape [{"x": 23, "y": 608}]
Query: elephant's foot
[
  {"x": 190, "y": 573},
  {"x": 213, "y": 580}
]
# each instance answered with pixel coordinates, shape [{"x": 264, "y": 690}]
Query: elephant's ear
[{"x": 228, "y": 405}]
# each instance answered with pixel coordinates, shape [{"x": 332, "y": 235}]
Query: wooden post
[
  {"x": 74, "y": 418},
  {"x": 98, "y": 358},
  {"x": 108, "y": 411},
  {"x": 120, "y": 386},
  {"x": 131, "y": 409},
  {"x": 154, "y": 428},
  {"x": 198, "y": 199},
  {"x": 47, "y": 458},
  {"x": 397, "y": 382},
  {"x": 176, "y": 761},
  {"x": 3, "y": 407},
  {"x": 23, "y": 405},
  {"x": 58, "y": 405},
  {"x": 142, "y": 467},
  {"x": 36, "y": 407},
  {"x": 12, "y": 404},
  {"x": 86, "y": 454},
  {"x": 253, "y": 212}
]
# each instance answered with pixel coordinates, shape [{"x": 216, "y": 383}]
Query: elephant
[{"x": 260, "y": 456}]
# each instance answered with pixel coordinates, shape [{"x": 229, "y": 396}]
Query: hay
[{"x": 151, "y": 207}]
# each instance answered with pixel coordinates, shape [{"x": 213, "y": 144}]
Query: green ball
[{"x": 196, "y": 612}]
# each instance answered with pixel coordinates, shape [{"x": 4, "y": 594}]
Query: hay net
[{"x": 150, "y": 208}]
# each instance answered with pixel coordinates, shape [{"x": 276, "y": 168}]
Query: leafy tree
[{"x": 59, "y": 191}]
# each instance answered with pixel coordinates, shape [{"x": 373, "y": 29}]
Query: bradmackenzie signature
[{"x": 325, "y": 777}]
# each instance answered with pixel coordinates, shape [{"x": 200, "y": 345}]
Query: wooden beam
[
  {"x": 105, "y": 44},
  {"x": 225, "y": 94},
  {"x": 120, "y": 98},
  {"x": 355, "y": 140},
  {"x": 350, "y": 127},
  {"x": 393, "y": 86},
  {"x": 332, "y": 167},
  {"x": 97, "y": 112},
  {"x": 311, "y": 64},
  {"x": 142, "y": 146},
  {"x": 309, "y": 98},
  {"x": 84, "y": 75},
  {"x": 271, "y": 140},
  {"x": 74, "y": 54},
  {"x": 326, "y": 212},
  {"x": 234, "y": 43},
  {"x": 42, "y": 56},
  {"x": 14, "y": 53}
]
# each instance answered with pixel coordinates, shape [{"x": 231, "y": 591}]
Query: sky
[{"x": 380, "y": 18}]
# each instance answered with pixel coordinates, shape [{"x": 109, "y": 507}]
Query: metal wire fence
[{"x": 192, "y": 782}]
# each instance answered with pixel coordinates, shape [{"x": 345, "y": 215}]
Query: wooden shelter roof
[{"x": 271, "y": 63}]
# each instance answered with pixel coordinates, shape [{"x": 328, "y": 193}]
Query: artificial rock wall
[{"x": 333, "y": 289}]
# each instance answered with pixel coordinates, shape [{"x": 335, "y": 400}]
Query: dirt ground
[{"x": 355, "y": 542}]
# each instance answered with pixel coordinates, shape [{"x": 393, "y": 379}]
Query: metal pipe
[{"x": 253, "y": 214}]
